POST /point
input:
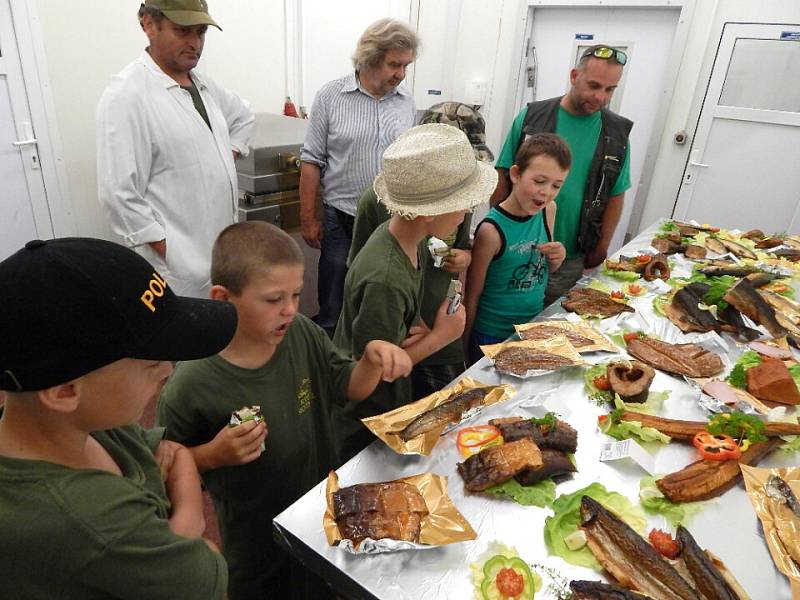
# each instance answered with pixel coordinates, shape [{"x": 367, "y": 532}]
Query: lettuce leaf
[
  {"x": 595, "y": 395},
  {"x": 654, "y": 502},
  {"x": 567, "y": 516},
  {"x": 658, "y": 304},
  {"x": 794, "y": 371},
  {"x": 737, "y": 377},
  {"x": 540, "y": 494},
  {"x": 792, "y": 444},
  {"x": 623, "y": 430},
  {"x": 619, "y": 274},
  {"x": 650, "y": 407}
]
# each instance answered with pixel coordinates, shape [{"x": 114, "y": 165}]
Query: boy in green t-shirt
[
  {"x": 282, "y": 362},
  {"x": 91, "y": 505},
  {"x": 430, "y": 180}
]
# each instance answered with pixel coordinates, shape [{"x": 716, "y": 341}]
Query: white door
[
  {"x": 557, "y": 36},
  {"x": 743, "y": 165},
  {"x": 24, "y": 214}
]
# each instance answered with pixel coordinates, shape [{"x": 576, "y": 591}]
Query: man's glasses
[{"x": 607, "y": 53}]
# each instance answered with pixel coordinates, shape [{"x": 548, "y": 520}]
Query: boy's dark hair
[
  {"x": 243, "y": 248},
  {"x": 548, "y": 144}
]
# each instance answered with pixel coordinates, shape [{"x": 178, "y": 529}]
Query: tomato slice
[
  {"x": 631, "y": 335},
  {"x": 601, "y": 383},
  {"x": 509, "y": 583},
  {"x": 716, "y": 447},
  {"x": 618, "y": 295},
  {"x": 643, "y": 259},
  {"x": 664, "y": 543}
]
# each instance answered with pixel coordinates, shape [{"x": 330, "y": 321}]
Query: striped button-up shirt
[{"x": 347, "y": 133}]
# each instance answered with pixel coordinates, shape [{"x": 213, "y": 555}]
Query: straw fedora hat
[{"x": 431, "y": 170}]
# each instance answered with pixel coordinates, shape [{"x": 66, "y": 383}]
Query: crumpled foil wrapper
[
  {"x": 443, "y": 525},
  {"x": 774, "y": 516},
  {"x": 387, "y": 425},
  {"x": 558, "y": 345}
]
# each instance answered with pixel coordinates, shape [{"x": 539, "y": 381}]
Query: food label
[{"x": 611, "y": 451}]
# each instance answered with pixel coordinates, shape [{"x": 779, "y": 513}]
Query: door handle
[
  {"x": 697, "y": 164},
  {"x": 29, "y": 142}
]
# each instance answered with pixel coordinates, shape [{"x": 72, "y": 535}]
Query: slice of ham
[
  {"x": 722, "y": 391},
  {"x": 772, "y": 351}
]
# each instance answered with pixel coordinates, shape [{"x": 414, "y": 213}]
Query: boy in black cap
[{"x": 88, "y": 331}]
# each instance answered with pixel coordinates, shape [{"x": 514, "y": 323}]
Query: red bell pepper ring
[
  {"x": 716, "y": 447},
  {"x": 472, "y": 440}
]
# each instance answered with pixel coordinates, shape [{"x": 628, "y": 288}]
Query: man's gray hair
[
  {"x": 155, "y": 14},
  {"x": 379, "y": 38}
]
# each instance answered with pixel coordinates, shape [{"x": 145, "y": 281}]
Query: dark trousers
[{"x": 337, "y": 235}]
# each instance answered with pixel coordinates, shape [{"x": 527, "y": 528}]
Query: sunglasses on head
[{"x": 607, "y": 53}]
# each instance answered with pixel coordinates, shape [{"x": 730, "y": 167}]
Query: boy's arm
[
  {"x": 446, "y": 329},
  {"x": 182, "y": 483},
  {"x": 487, "y": 245},
  {"x": 380, "y": 361}
]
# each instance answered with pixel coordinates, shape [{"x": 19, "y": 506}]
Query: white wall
[{"x": 88, "y": 41}]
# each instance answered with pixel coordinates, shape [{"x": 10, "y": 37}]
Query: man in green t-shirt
[
  {"x": 286, "y": 365},
  {"x": 590, "y": 202},
  {"x": 91, "y": 505},
  {"x": 430, "y": 180}
]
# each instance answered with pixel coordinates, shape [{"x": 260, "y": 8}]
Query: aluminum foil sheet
[{"x": 727, "y": 526}]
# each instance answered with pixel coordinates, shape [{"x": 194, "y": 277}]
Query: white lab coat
[{"x": 163, "y": 174}]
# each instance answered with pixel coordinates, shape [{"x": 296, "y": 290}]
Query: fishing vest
[{"x": 612, "y": 145}]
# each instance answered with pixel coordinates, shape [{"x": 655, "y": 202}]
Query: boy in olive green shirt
[
  {"x": 435, "y": 372},
  {"x": 284, "y": 363},
  {"x": 91, "y": 506},
  {"x": 431, "y": 179}
]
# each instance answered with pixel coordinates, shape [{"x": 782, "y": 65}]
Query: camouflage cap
[{"x": 467, "y": 119}]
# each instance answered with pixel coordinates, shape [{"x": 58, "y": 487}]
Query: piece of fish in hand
[
  {"x": 449, "y": 411},
  {"x": 497, "y": 464},
  {"x": 628, "y": 557}
]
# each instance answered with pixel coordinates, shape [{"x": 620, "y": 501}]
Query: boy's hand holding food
[
  {"x": 457, "y": 261},
  {"x": 393, "y": 361},
  {"x": 232, "y": 446},
  {"x": 554, "y": 252},
  {"x": 449, "y": 327}
]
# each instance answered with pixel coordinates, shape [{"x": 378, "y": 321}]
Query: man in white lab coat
[{"x": 167, "y": 137}]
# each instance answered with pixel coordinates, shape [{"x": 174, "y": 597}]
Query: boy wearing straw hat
[{"x": 430, "y": 180}]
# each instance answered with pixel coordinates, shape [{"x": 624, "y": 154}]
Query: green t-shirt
[
  {"x": 513, "y": 291},
  {"x": 86, "y": 534},
  {"x": 295, "y": 391},
  {"x": 369, "y": 215},
  {"x": 382, "y": 300},
  {"x": 581, "y": 133}
]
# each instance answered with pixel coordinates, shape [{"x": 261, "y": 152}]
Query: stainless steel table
[{"x": 728, "y": 525}]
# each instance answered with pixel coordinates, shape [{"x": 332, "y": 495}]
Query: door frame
[
  {"x": 31, "y": 51},
  {"x": 682, "y": 29},
  {"x": 719, "y": 71}
]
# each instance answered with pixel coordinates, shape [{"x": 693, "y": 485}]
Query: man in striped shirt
[{"x": 353, "y": 120}]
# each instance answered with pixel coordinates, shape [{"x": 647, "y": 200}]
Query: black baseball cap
[{"x": 73, "y": 305}]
